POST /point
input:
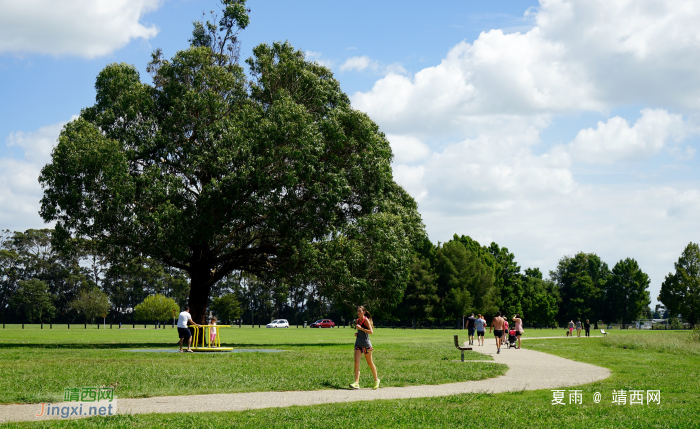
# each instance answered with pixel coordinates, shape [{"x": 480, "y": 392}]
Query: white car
[{"x": 279, "y": 323}]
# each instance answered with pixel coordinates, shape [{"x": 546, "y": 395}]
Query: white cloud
[
  {"x": 366, "y": 63},
  {"x": 615, "y": 140},
  {"x": 20, "y": 191},
  {"x": 481, "y": 112},
  {"x": 582, "y": 55},
  {"x": 408, "y": 149},
  {"x": 86, "y": 28},
  {"x": 37, "y": 144},
  {"x": 357, "y": 63},
  {"x": 318, "y": 57}
]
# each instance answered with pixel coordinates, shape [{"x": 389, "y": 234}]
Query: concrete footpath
[{"x": 528, "y": 370}]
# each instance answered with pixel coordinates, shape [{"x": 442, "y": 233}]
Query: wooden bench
[
  {"x": 460, "y": 348},
  {"x": 602, "y": 331}
]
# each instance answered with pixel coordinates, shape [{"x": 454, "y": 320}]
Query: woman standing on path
[
  {"x": 571, "y": 328},
  {"x": 587, "y": 327},
  {"x": 518, "y": 328},
  {"x": 364, "y": 346},
  {"x": 578, "y": 328}
]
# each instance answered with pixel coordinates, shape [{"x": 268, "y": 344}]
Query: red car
[{"x": 323, "y": 323}]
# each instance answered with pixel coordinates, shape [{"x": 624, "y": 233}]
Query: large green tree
[
  {"x": 680, "y": 291},
  {"x": 91, "y": 303},
  {"x": 626, "y": 291},
  {"x": 581, "y": 280},
  {"x": 508, "y": 280},
  {"x": 464, "y": 282},
  {"x": 209, "y": 172},
  {"x": 156, "y": 308},
  {"x": 540, "y": 298},
  {"x": 32, "y": 302}
]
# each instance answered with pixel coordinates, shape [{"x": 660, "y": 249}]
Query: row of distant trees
[
  {"x": 446, "y": 281},
  {"x": 462, "y": 276}
]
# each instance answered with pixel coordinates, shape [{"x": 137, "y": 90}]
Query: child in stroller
[{"x": 511, "y": 339}]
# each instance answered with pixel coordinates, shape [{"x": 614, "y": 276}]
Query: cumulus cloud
[
  {"x": 615, "y": 140},
  {"x": 587, "y": 55},
  {"x": 366, "y": 63},
  {"x": 86, "y": 28},
  {"x": 318, "y": 57},
  {"x": 407, "y": 149},
  {"x": 481, "y": 112},
  {"x": 20, "y": 191}
]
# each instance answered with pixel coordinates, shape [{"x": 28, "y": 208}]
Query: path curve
[{"x": 528, "y": 370}]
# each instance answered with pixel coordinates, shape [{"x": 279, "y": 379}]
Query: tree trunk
[{"x": 200, "y": 286}]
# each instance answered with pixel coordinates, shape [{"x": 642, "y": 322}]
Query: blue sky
[{"x": 550, "y": 128}]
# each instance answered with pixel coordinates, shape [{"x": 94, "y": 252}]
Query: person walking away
[
  {"x": 480, "y": 325},
  {"x": 212, "y": 334},
  {"x": 183, "y": 320},
  {"x": 497, "y": 324},
  {"x": 578, "y": 328},
  {"x": 470, "y": 327},
  {"x": 571, "y": 328},
  {"x": 518, "y": 328},
  {"x": 587, "y": 327},
  {"x": 365, "y": 327}
]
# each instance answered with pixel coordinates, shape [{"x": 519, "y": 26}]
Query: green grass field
[
  {"x": 665, "y": 361},
  {"x": 36, "y": 365}
]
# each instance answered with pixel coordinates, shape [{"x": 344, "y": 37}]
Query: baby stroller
[{"x": 511, "y": 338}]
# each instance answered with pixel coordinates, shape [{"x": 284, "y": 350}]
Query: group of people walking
[{"x": 586, "y": 327}]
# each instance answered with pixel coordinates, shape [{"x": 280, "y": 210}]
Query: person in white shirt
[{"x": 183, "y": 331}]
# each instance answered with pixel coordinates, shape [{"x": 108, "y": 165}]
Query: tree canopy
[
  {"x": 627, "y": 294},
  {"x": 680, "y": 291},
  {"x": 209, "y": 172}
]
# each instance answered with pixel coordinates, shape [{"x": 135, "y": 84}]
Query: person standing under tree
[
  {"x": 182, "y": 329},
  {"x": 587, "y": 327},
  {"x": 212, "y": 334},
  {"x": 365, "y": 327},
  {"x": 497, "y": 324},
  {"x": 470, "y": 327}
]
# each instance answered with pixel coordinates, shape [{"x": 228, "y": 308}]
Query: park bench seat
[
  {"x": 602, "y": 331},
  {"x": 460, "y": 348}
]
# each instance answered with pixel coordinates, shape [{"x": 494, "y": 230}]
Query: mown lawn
[
  {"x": 668, "y": 362},
  {"x": 36, "y": 365}
]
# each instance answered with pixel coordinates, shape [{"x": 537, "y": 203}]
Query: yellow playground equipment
[{"x": 210, "y": 346}]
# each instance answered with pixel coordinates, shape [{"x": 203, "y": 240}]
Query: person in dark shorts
[
  {"x": 497, "y": 324},
  {"x": 365, "y": 327},
  {"x": 587, "y": 327},
  {"x": 480, "y": 324},
  {"x": 470, "y": 327},
  {"x": 182, "y": 329}
]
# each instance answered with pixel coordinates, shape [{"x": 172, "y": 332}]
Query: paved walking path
[{"x": 528, "y": 370}]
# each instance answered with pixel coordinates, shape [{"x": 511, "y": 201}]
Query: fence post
[
  {"x": 50, "y": 325},
  {"x": 69, "y": 326},
  {"x": 86, "y": 326},
  {"x": 42, "y": 326},
  {"x": 22, "y": 325}
]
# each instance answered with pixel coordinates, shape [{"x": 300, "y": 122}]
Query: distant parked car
[
  {"x": 323, "y": 323},
  {"x": 279, "y": 323}
]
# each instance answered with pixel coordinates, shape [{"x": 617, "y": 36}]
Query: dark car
[{"x": 323, "y": 323}]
